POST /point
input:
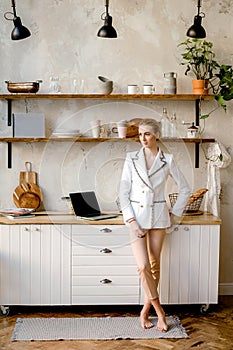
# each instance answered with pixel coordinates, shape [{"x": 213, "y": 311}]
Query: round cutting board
[
  {"x": 27, "y": 200},
  {"x": 27, "y": 195}
]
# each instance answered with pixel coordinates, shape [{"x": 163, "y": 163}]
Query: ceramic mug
[
  {"x": 95, "y": 128},
  {"x": 122, "y": 131},
  {"x": 148, "y": 89},
  {"x": 122, "y": 128},
  {"x": 133, "y": 89}
]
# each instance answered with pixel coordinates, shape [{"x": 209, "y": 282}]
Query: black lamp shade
[
  {"x": 196, "y": 30},
  {"x": 107, "y": 31},
  {"x": 19, "y": 32}
]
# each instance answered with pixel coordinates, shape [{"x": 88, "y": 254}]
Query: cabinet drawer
[
  {"x": 104, "y": 290},
  {"x": 102, "y": 260},
  {"x": 105, "y": 279},
  {"x": 105, "y": 249},
  {"x": 101, "y": 240},
  {"x": 104, "y": 270},
  {"x": 105, "y": 294},
  {"x": 97, "y": 229},
  {"x": 105, "y": 299}
]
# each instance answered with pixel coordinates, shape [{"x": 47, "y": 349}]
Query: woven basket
[{"x": 190, "y": 208}]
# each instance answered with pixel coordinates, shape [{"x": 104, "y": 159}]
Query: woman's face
[{"x": 147, "y": 136}]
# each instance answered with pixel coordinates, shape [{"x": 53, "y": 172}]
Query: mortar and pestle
[{"x": 105, "y": 85}]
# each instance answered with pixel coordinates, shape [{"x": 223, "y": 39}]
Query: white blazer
[{"x": 142, "y": 192}]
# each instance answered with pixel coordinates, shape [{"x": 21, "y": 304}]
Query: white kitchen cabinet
[
  {"x": 78, "y": 264},
  {"x": 190, "y": 265},
  {"x": 35, "y": 265},
  {"x": 103, "y": 268}
]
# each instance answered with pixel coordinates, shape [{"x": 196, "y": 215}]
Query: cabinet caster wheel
[
  {"x": 4, "y": 310},
  {"x": 204, "y": 309}
]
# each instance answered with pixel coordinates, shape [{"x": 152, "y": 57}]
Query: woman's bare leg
[
  {"x": 139, "y": 247},
  {"x": 142, "y": 248},
  {"x": 155, "y": 242}
]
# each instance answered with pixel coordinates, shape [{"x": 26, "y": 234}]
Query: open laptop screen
[{"x": 85, "y": 204}]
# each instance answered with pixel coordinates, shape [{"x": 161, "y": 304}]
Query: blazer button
[{"x": 141, "y": 206}]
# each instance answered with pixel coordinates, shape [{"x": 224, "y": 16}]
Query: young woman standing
[{"x": 145, "y": 211}]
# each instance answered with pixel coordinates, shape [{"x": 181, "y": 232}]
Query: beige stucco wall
[{"x": 64, "y": 44}]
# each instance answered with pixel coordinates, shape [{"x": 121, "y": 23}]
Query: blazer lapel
[
  {"x": 158, "y": 164},
  {"x": 140, "y": 167}
]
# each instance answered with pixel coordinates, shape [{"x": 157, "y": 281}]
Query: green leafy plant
[
  {"x": 223, "y": 88},
  {"x": 222, "y": 85},
  {"x": 199, "y": 58}
]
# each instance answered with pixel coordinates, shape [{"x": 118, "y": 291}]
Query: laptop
[{"x": 86, "y": 206}]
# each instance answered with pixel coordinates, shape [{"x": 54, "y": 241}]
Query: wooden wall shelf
[
  {"x": 176, "y": 97},
  {"x": 102, "y": 139},
  {"x": 187, "y": 97}
]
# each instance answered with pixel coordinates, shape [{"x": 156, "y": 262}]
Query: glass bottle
[
  {"x": 173, "y": 125},
  {"x": 54, "y": 86},
  {"x": 165, "y": 124}
]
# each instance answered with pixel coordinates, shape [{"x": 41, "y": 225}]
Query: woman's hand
[
  {"x": 175, "y": 220},
  {"x": 136, "y": 230}
]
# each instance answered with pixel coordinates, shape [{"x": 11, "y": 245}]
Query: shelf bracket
[
  {"x": 197, "y": 120},
  {"x": 197, "y": 112},
  {"x": 9, "y": 123},
  {"x": 9, "y": 155},
  {"x": 9, "y": 112},
  {"x": 197, "y": 154}
]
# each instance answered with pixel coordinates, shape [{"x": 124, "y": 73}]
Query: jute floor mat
[{"x": 92, "y": 328}]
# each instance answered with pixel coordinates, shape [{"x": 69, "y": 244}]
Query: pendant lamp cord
[{"x": 14, "y": 10}]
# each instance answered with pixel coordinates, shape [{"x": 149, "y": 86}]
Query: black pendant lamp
[
  {"x": 19, "y": 32},
  {"x": 196, "y": 30},
  {"x": 107, "y": 31}
]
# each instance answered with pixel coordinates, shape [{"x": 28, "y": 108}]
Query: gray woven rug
[{"x": 93, "y": 328}]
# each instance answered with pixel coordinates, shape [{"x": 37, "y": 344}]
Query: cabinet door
[
  {"x": 189, "y": 265},
  {"x": 35, "y": 264}
]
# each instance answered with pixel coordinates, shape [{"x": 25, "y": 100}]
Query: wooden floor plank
[{"x": 212, "y": 331}]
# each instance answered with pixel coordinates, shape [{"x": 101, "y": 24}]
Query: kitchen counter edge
[{"x": 63, "y": 218}]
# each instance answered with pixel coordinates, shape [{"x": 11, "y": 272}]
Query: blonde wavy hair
[{"x": 153, "y": 123}]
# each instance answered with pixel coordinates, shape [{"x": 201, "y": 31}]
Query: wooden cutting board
[
  {"x": 28, "y": 175},
  {"x": 28, "y": 194}
]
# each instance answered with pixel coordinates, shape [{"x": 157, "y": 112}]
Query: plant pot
[{"x": 200, "y": 87}]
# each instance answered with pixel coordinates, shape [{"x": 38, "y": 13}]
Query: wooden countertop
[{"x": 66, "y": 218}]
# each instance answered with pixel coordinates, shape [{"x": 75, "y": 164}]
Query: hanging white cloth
[
  {"x": 218, "y": 157},
  {"x": 212, "y": 196}
]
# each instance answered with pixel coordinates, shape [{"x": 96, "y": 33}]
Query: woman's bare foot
[
  {"x": 161, "y": 324},
  {"x": 145, "y": 322}
]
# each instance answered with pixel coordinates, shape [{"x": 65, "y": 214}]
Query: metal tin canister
[{"x": 170, "y": 83}]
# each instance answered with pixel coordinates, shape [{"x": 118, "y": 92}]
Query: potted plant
[{"x": 199, "y": 58}]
